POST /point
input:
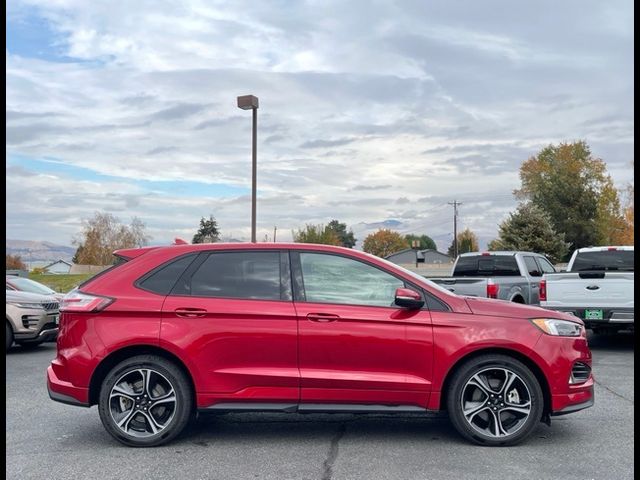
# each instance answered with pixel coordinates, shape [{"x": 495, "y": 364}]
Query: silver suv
[{"x": 31, "y": 318}]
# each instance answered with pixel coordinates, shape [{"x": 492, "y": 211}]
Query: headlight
[
  {"x": 560, "y": 328},
  {"x": 26, "y": 305}
]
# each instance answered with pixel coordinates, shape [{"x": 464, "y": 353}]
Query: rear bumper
[{"x": 65, "y": 392}]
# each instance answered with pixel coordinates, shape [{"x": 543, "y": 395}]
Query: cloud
[{"x": 386, "y": 112}]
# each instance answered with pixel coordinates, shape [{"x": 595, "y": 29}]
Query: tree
[
  {"x": 14, "y": 262},
  {"x": 495, "y": 245},
  {"x": 208, "y": 231},
  {"x": 575, "y": 190},
  {"x": 627, "y": 236},
  {"x": 467, "y": 242},
  {"x": 78, "y": 255},
  {"x": 346, "y": 238},
  {"x": 104, "y": 233},
  {"x": 317, "y": 234},
  {"x": 529, "y": 228},
  {"x": 426, "y": 242},
  {"x": 384, "y": 242}
]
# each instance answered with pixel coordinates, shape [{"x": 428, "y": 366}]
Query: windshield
[
  {"x": 613, "y": 260},
  {"x": 26, "y": 285}
]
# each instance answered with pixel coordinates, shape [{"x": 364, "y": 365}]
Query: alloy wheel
[
  {"x": 496, "y": 402},
  {"x": 142, "y": 402}
]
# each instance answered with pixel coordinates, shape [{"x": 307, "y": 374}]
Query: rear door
[{"x": 231, "y": 314}]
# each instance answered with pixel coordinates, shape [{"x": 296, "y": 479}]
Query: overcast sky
[{"x": 373, "y": 113}]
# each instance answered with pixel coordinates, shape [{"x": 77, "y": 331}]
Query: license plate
[
  {"x": 56, "y": 319},
  {"x": 593, "y": 314}
]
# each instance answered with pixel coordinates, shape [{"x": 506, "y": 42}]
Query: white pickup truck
[{"x": 597, "y": 287}]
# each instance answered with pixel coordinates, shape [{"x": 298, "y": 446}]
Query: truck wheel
[
  {"x": 495, "y": 400},
  {"x": 9, "y": 337},
  {"x": 145, "y": 401}
]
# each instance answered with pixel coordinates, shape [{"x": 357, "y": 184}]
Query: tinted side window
[
  {"x": 341, "y": 280},
  {"x": 487, "y": 266},
  {"x": 250, "y": 275},
  {"x": 545, "y": 266},
  {"x": 532, "y": 266},
  {"x": 162, "y": 279}
]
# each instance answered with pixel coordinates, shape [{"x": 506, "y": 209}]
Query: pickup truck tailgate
[{"x": 615, "y": 289}]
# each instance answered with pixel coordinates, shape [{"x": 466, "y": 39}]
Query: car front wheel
[
  {"x": 9, "y": 337},
  {"x": 145, "y": 401},
  {"x": 495, "y": 400}
]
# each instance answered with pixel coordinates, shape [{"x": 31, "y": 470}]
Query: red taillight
[
  {"x": 76, "y": 301},
  {"x": 612, "y": 249},
  {"x": 543, "y": 290},
  {"x": 486, "y": 254},
  {"x": 492, "y": 289}
]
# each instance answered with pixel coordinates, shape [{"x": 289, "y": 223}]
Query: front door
[
  {"x": 234, "y": 319},
  {"x": 353, "y": 340}
]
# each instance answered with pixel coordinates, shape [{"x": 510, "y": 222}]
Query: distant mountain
[{"x": 34, "y": 251}]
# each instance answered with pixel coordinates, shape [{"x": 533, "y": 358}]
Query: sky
[{"x": 375, "y": 113}]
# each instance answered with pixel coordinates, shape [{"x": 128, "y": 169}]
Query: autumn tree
[
  {"x": 576, "y": 191},
  {"x": 425, "y": 241},
  {"x": 627, "y": 236},
  {"x": 316, "y": 234},
  {"x": 495, "y": 245},
  {"x": 208, "y": 232},
  {"x": 14, "y": 262},
  {"x": 346, "y": 238},
  {"x": 529, "y": 229},
  {"x": 384, "y": 242},
  {"x": 103, "y": 233},
  {"x": 467, "y": 242}
]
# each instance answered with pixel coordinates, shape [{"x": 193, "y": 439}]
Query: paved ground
[{"x": 48, "y": 440}]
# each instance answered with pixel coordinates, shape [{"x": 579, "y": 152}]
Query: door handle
[
  {"x": 322, "y": 317},
  {"x": 190, "y": 312}
]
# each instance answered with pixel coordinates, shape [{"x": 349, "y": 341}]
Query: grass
[{"x": 60, "y": 283}]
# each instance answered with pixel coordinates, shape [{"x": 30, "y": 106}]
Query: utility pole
[
  {"x": 455, "y": 204},
  {"x": 275, "y": 229}
]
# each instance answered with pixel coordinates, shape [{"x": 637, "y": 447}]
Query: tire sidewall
[
  {"x": 9, "y": 336},
  {"x": 461, "y": 378},
  {"x": 182, "y": 389}
]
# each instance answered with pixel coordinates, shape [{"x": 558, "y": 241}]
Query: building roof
[{"x": 58, "y": 261}]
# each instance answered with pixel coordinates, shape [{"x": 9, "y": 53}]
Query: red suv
[{"x": 172, "y": 331}]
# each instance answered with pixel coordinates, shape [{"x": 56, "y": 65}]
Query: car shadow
[{"x": 620, "y": 341}]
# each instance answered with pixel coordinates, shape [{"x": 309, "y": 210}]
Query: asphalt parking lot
[{"x": 48, "y": 440}]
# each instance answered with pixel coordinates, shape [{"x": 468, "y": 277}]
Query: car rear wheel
[
  {"x": 145, "y": 401},
  {"x": 495, "y": 400},
  {"x": 9, "y": 337}
]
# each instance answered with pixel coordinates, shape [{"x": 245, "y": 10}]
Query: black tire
[
  {"x": 9, "y": 337},
  {"x": 29, "y": 345},
  {"x": 525, "y": 384},
  {"x": 167, "y": 376}
]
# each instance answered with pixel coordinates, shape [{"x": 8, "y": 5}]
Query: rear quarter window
[{"x": 162, "y": 279}]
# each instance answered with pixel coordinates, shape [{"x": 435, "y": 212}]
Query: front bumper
[{"x": 41, "y": 328}]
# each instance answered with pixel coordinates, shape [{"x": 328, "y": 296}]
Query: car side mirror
[{"x": 407, "y": 298}]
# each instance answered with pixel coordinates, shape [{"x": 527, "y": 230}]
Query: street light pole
[{"x": 247, "y": 102}]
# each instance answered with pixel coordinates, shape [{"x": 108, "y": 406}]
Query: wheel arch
[
  {"x": 118, "y": 356},
  {"x": 532, "y": 365}
]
